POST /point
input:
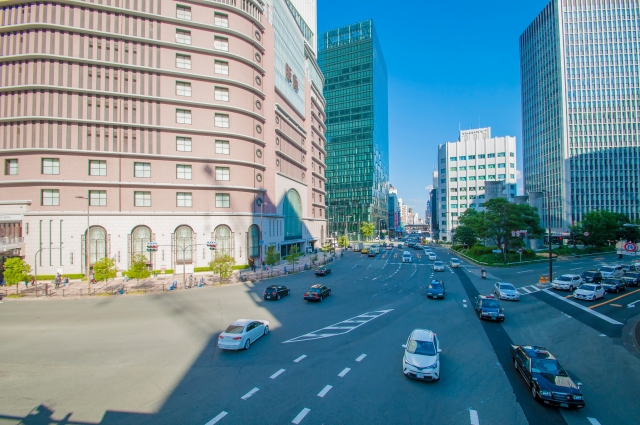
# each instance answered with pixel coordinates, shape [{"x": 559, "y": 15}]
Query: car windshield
[
  {"x": 588, "y": 288},
  {"x": 435, "y": 286},
  {"x": 607, "y": 269},
  {"x": 490, "y": 303},
  {"x": 633, "y": 275},
  {"x": 548, "y": 366},
  {"x": 424, "y": 348},
  {"x": 314, "y": 290},
  {"x": 234, "y": 329},
  {"x": 589, "y": 274},
  {"x": 438, "y": 263},
  {"x": 507, "y": 286},
  {"x": 565, "y": 278}
]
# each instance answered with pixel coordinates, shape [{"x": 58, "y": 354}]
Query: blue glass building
[
  {"x": 357, "y": 134},
  {"x": 581, "y": 108}
]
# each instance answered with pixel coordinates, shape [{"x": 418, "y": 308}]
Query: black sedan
[
  {"x": 323, "y": 271},
  {"x": 487, "y": 307},
  {"x": 632, "y": 278},
  {"x": 546, "y": 378},
  {"x": 613, "y": 285},
  {"x": 275, "y": 292},
  {"x": 317, "y": 293},
  {"x": 436, "y": 289}
]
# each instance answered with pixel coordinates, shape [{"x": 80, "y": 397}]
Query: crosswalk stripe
[{"x": 525, "y": 289}]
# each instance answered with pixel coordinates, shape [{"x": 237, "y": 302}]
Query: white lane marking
[
  {"x": 581, "y": 307},
  {"x": 535, "y": 288},
  {"x": 473, "y": 415},
  {"x": 344, "y": 372},
  {"x": 217, "y": 418},
  {"x": 524, "y": 271},
  {"x": 602, "y": 335},
  {"x": 525, "y": 289},
  {"x": 250, "y": 393},
  {"x": 300, "y": 358},
  {"x": 375, "y": 295},
  {"x": 324, "y": 391},
  {"x": 361, "y": 357},
  {"x": 633, "y": 304},
  {"x": 579, "y": 262},
  {"x": 593, "y": 421},
  {"x": 300, "y": 416},
  {"x": 577, "y": 268},
  {"x": 337, "y": 328},
  {"x": 278, "y": 373}
]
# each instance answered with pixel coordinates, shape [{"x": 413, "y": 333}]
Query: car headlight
[
  {"x": 545, "y": 393},
  {"x": 578, "y": 397},
  {"x": 433, "y": 366},
  {"x": 408, "y": 363}
]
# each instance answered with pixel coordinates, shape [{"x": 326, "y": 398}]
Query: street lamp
[
  {"x": 86, "y": 244},
  {"x": 549, "y": 227}
]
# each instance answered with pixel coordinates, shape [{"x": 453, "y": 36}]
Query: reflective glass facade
[
  {"x": 581, "y": 105},
  {"x": 357, "y": 127}
]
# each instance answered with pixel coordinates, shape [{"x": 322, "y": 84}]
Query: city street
[{"x": 154, "y": 358}]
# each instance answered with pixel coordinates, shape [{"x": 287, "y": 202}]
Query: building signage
[
  {"x": 291, "y": 77},
  {"x": 9, "y": 218}
]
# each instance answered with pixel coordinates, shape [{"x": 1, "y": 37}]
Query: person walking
[{"x": 66, "y": 280}]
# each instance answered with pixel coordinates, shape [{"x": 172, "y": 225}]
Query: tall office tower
[
  {"x": 357, "y": 127},
  {"x": 467, "y": 166},
  {"x": 581, "y": 108},
  {"x": 159, "y": 120},
  {"x": 394, "y": 211}
]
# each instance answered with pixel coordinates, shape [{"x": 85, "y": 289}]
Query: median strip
[{"x": 581, "y": 307}]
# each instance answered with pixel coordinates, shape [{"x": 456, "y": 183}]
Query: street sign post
[{"x": 630, "y": 247}]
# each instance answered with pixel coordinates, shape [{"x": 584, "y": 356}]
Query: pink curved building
[{"x": 157, "y": 120}]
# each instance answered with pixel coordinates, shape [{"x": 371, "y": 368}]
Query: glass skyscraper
[
  {"x": 580, "y": 108},
  {"x": 357, "y": 134}
]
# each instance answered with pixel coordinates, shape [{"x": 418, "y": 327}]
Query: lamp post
[
  {"x": 86, "y": 244},
  {"x": 549, "y": 230}
]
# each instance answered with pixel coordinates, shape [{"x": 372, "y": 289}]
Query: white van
[
  {"x": 406, "y": 257},
  {"x": 374, "y": 249}
]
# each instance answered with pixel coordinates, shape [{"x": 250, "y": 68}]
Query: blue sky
[{"x": 450, "y": 64}]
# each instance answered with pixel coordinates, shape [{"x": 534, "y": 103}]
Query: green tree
[
  {"x": 603, "y": 226},
  {"x": 343, "y": 241},
  {"x": 293, "y": 257},
  {"x": 465, "y": 235},
  {"x": 104, "y": 269},
  {"x": 314, "y": 259},
  {"x": 138, "y": 269},
  {"x": 16, "y": 270},
  {"x": 272, "y": 257},
  {"x": 367, "y": 229},
  {"x": 222, "y": 264}
]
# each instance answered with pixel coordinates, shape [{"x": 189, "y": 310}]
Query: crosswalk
[{"x": 526, "y": 290}]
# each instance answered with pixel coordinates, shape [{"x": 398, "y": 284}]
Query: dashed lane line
[
  {"x": 338, "y": 328},
  {"x": 526, "y": 290},
  {"x": 361, "y": 357},
  {"x": 324, "y": 391},
  {"x": 300, "y": 416},
  {"x": 250, "y": 393},
  {"x": 593, "y": 421},
  {"x": 217, "y": 418},
  {"x": 278, "y": 373},
  {"x": 344, "y": 372},
  {"x": 524, "y": 271},
  {"x": 613, "y": 299},
  {"x": 473, "y": 416},
  {"x": 581, "y": 307},
  {"x": 300, "y": 358}
]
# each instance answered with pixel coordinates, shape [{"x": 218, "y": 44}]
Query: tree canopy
[
  {"x": 367, "y": 229},
  {"x": 16, "y": 270},
  {"x": 603, "y": 226},
  {"x": 294, "y": 255},
  {"x": 343, "y": 241},
  {"x": 138, "y": 269},
  {"x": 105, "y": 269},
  {"x": 222, "y": 264}
]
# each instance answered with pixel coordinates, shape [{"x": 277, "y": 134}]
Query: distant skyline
[{"x": 451, "y": 66}]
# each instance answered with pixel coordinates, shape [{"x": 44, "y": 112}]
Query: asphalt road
[{"x": 154, "y": 360}]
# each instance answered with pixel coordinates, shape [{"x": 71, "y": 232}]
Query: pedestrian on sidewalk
[
  {"x": 33, "y": 281},
  {"x": 2, "y": 283},
  {"x": 66, "y": 280}
]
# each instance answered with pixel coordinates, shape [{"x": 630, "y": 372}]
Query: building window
[
  {"x": 443, "y": 180},
  {"x": 183, "y": 37},
  {"x": 511, "y": 154},
  {"x": 222, "y": 93},
  {"x": 221, "y": 67},
  {"x": 472, "y": 178},
  {"x": 512, "y": 165},
  {"x": 98, "y": 198},
  {"x": 481, "y": 167},
  {"x": 454, "y": 206},
  {"x": 491, "y": 155},
  {"x": 183, "y": 89},
  {"x": 463, "y": 179},
  {"x": 453, "y": 158},
  {"x": 183, "y": 144},
  {"x": 183, "y": 12},
  {"x": 481, "y": 156},
  {"x": 472, "y": 167},
  {"x": 50, "y": 166},
  {"x": 183, "y": 116},
  {"x": 453, "y": 179},
  {"x": 491, "y": 177},
  {"x": 223, "y": 200},
  {"x": 512, "y": 176},
  {"x": 222, "y": 147},
  {"x": 453, "y": 189},
  {"x": 443, "y": 199},
  {"x": 97, "y": 168},
  {"x": 183, "y": 61},
  {"x": 183, "y": 172},
  {"x": 222, "y": 120},
  {"x": 142, "y": 169},
  {"x": 463, "y": 205},
  {"x": 222, "y": 173},
  {"x": 184, "y": 199},
  {"x": 502, "y": 176},
  {"x": 11, "y": 167},
  {"x": 442, "y": 161},
  {"x": 463, "y": 158},
  {"x": 453, "y": 198},
  {"x": 221, "y": 43},
  {"x": 472, "y": 189},
  {"x": 491, "y": 166},
  {"x": 471, "y": 157},
  {"x": 502, "y": 165},
  {"x": 481, "y": 188},
  {"x": 501, "y": 154},
  {"x": 50, "y": 197},
  {"x": 462, "y": 169},
  {"x": 453, "y": 169},
  {"x": 142, "y": 199},
  {"x": 443, "y": 170},
  {"x": 221, "y": 20}
]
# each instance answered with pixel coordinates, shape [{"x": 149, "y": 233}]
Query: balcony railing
[{"x": 10, "y": 241}]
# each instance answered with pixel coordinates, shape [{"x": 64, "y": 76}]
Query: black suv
[
  {"x": 275, "y": 292},
  {"x": 591, "y": 276},
  {"x": 631, "y": 278},
  {"x": 317, "y": 293},
  {"x": 613, "y": 285},
  {"x": 487, "y": 307}
]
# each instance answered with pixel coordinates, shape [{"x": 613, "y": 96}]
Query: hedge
[
  {"x": 52, "y": 276},
  {"x": 167, "y": 271}
]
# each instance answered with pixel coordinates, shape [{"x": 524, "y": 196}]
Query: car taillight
[
  {"x": 221, "y": 337},
  {"x": 237, "y": 338},
  {"x": 315, "y": 295}
]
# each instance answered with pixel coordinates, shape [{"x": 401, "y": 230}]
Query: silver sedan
[
  {"x": 242, "y": 333},
  {"x": 506, "y": 291}
]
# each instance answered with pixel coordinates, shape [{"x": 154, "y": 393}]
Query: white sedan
[
  {"x": 242, "y": 333},
  {"x": 432, "y": 256},
  {"x": 506, "y": 291},
  {"x": 454, "y": 262},
  {"x": 422, "y": 356},
  {"x": 438, "y": 266},
  {"x": 589, "y": 292}
]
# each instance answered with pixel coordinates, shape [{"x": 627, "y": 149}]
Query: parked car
[
  {"x": 591, "y": 276},
  {"x": 275, "y": 292},
  {"x": 567, "y": 282},
  {"x": 438, "y": 266},
  {"x": 611, "y": 271},
  {"x": 421, "y": 358},
  {"x": 589, "y": 291},
  {"x": 323, "y": 271},
  {"x": 613, "y": 285},
  {"x": 546, "y": 378},
  {"x": 632, "y": 278},
  {"x": 317, "y": 293},
  {"x": 241, "y": 333},
  {"x": 487, "y": 307},
  {"x": 506, "y": 291},
  {"x": 454, "y": 263},
  {"x": 629, "y": 268},
  {"x": 436, "y": 289}
]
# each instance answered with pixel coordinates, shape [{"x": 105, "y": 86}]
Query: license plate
[
  {"x": 420, "y": 375},
  {"x": 564, "y": 405},
  {"x": 268, "y": 296},
  {"x": 493, "y": 318}
]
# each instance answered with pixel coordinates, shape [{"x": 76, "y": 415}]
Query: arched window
[
  {"x": 254, "y": 241},
  {"x": 292, "y": 210},
  {"x": 140, "y": 236},
  {"x": 97, "y": 244},
  {"x": 184, "y": 241},
  {"x": 223, "y": 241}
]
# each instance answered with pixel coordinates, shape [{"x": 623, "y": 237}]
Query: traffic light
[
  {"x": 152, "y": 246},
  {"x": 211, "y": 245}
]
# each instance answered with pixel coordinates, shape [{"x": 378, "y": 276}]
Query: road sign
[
  {"x": 586, "y": 233},
  {"x": 630, "y": 247}
]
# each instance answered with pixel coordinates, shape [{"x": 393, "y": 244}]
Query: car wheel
[
  {"x": 247, "y": 344},
  {"x": 321, "y": 298},
  {"x": 278, "y": 297},
  {"x": 534, "y": 393},
  {"x": 266, "y": 330},
  {"x": 515, "y": 364}
]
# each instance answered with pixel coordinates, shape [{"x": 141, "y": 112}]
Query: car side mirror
[
  {"x": 439, "y": 350},
  {"x": 404, "y": 345},
  {"x": 578, "y": 384}
]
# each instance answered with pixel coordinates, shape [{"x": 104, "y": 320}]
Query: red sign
[
  {"x": 291, "y": 77},
  {"x": 295, "y": 82},
  {"x": 630, "y": 247},
  {"x": 287, "y": 72}
]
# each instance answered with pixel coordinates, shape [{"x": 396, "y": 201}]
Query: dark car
[
  {"x": 323, "y": 270},
  {"x": 317, "y": 293},
  {"x": 436, "y": 289},
  {"x": 629, "y": 268},
  {"x": 632, "y": 278},
  {"x": 613, "y": 285},
  {"x": 410, "y": 244},
  {"x": 487, "y": 307},
  {"x": 275, "y": 292},
  {"x": 548, "y": 380},
  {"x": 591, "y": 276}
]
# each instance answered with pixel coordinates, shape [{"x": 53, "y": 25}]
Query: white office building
[{"x": 466, "y": 167}]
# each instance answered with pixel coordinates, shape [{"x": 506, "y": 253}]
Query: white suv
[
  {"x": 611, "y": 271},
  {"x": 406, "y": 257},
  {"x": 567, "y": 282},
  {"x": 421, "y": 358}
]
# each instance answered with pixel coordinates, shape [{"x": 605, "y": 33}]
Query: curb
[{"x": 636, "y": 335}]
